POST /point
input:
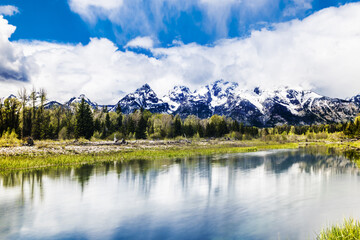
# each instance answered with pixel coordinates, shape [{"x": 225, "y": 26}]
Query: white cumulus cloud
[
  {"x": 143, "y": 42},
  {"x": 12, "y": 65},
  {"x": 8, "y": 10},
  {"x": 92, "y": 9}
]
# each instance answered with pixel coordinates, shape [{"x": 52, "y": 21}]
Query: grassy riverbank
[
  {"x": 58, "y": 154},
  {"x": 50, "y": 157},
  {"x": 350, "y": 149},
  {"x": 47, "y": 154}
]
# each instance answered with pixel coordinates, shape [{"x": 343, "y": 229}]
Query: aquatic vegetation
[{"x": 349, "y": 230}]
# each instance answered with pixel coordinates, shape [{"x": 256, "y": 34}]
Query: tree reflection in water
[
  {"x": 145, "y": 171},
  {"x": 196, "y": 182}
]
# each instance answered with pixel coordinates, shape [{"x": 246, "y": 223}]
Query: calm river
[{"x": 282, "y": 194}]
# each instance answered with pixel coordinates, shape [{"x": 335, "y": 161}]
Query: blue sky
[
  {"x": 71, "y": 47},
  {"x": 54, "y": 20}
]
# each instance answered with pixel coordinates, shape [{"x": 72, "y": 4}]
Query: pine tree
[
  {"x": 33, "y": 99},
  {"x": 70, "y": 124},
  {"x": 119, "y": 118},
  {"x": 177, "y": 126},
  {"x": 11, "y": 115},
  {"x": 84, "y": 126},
  {"x": 1, "y": 118},
  {"x": 241, "y": 128},
  {"x": 97, "y": 125},
  {"x": 107, "y": 122},
  {"x": 119, "y": 121},
  {"x": 58, "y": 112},
  {"x": 130, "y": 126},
  {"x": 39, "y": 123},
  {"x": 221, "y": 128},
  {"x": 118, "y": 109},
  {"x": 23, "y": 96},
  {"x": 140, "y": 132},
  {"x": 210, "y": 130},
  {"x": 357, "y": 127},
  {"x": 235, "y": 126}
]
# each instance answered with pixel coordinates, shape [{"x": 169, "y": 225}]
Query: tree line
[{"x": 26, "y": 116}]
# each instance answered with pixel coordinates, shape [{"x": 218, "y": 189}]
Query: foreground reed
[{"x": 349, "y": 230}]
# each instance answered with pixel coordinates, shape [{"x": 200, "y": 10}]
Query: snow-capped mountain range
[
  {"x": 258, "y": 107},
  {"x": 143, "y": 97},
  {"x": 261, "y": 107}
]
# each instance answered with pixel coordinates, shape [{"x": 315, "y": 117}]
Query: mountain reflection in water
[{"x": 260, "y": 195}]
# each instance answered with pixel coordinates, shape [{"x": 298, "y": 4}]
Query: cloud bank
[
  {"x": 212, "y": 17},
  {"x": 12, "y": 66},
  {"x": 321, "y": 53}
]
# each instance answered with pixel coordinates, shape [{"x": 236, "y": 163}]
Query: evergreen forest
[{"x": 26, "y": 116}]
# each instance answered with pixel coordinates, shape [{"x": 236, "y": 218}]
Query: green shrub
[
  {"x": 321, "y": 135},
  {"x": 235, "y": 135},
  {"x": 310, "y": 135},
  {"x": 111, "y": 137},
  {"x": 96, "y": 136},
  {"x": 156, "y": 135},
  {"x": 246, "y": 137},
  {"x": 349, "y": 230},
  {"x": 9, "y": 139},
  {"x": 196, "y": 136},
  {"x": 131, "y": 136},
  {"x": 63, "y": 135},
  {"x": 82, "y": 140}
]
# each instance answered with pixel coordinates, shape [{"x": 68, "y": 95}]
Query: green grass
[
  {"x": 349, "y": 230},
  {"x": 11, "y": 163},
  {"x": 21, "y": 162}
]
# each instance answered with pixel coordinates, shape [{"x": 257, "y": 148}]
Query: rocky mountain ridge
[{"x": 258, "y": 107}]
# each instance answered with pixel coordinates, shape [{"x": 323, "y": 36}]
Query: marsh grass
[
  {"x": 14, "y": 163},
  {"x": 349, "y": 230},
  {"x": 71, "y": 157}
]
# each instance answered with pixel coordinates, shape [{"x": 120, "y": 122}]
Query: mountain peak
[
  {"x": 11, "y": 96},
  {"x": 254, "y": 106},
  {"x": 220, "y": 81},
  {"x": 179, "y": 91},
  {"x": 79, "y": 99},
  {"x": 257, "y": 90},
  {"x": 146, "y": 87},
  {"x": 143, "y": 97}
]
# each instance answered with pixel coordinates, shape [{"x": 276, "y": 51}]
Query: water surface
[{"x": 282, "y": 194}]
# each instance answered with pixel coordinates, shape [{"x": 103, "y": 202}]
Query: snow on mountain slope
[
  {"x": 356, "y": 100},
  {"x": 52, "y": 104},
  {"x": 177, "y": 96},
  {"x": 216, "y": 94},
  {"x": 261, "y": 107},
  {"x": 74, "y": 100},
  {"x": 258, "y": 107},
  {"x": 143, "y": 97}
]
